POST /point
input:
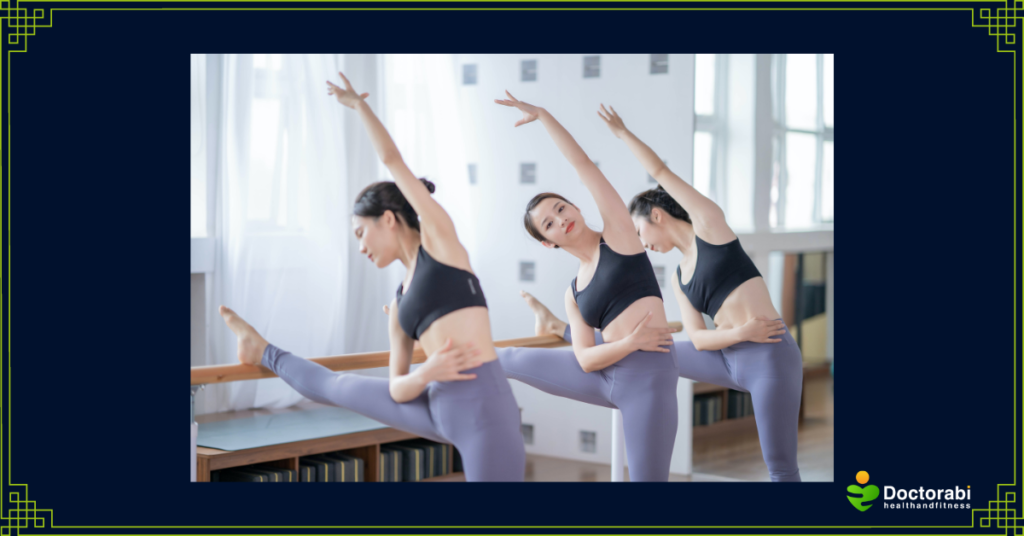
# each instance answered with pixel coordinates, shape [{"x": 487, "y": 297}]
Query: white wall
[{"x": 658, "y": 108}]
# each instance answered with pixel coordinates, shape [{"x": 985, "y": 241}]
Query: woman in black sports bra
[
  {"x": 750, "y": 348},
  {"x": 617, "y": 292},
  {"x": 460, "y": 394}
]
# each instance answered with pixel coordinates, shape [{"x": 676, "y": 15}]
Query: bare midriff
[
  {"x": 746, "y": 301},
  {"x": 624, "y": 324},
  {"x": 466, "y": 325}
]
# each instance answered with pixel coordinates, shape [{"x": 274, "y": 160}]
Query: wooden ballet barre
[{"x": 235, "y": 373}]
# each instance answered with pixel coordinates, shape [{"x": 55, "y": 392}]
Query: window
[
  {"x": 802, "y": 190},
  {"x": 709, "y": 123},
  {"x": 276, "y": 199}
]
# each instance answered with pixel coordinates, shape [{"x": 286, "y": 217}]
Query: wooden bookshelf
[{"x": 362, "y": 445}]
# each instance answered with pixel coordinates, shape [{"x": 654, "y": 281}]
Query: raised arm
[
  {"x": 618, "y": 227},
  {"x": 443, "y": 365},
  {"x": 708, "y": 219},
  {"x": 593, "y": 356},
  {"x": 433, "y": 218}
]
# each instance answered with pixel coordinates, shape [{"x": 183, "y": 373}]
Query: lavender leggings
[
  {"x": 773, "y": 375},
  {"x": 480, "y": 417},
  {"x": 642, "y": 385}
]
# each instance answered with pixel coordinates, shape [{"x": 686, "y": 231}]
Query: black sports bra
[
  {"x": 720, "y": 269},
  {"x": 620, "y": 280},
  {"x": 437, "y": 289}
]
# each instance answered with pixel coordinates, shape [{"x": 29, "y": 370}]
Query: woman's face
[
  {"x": 558, "y": 221},
  {"x": 653, "y": 231},
  {"x": 378, "y": 238}
]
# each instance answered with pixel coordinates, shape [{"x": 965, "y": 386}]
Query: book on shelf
[
  {"x": 390, "y": 465},
  {"x": 307, "y": 472},
  {"x": 740, "y": 404},
  {"x": 456, "y": 461},
  {"x": 707, "y": 409},
  {"x": 327, "y": 469},
  {"x": 254, "y": 474},
  {"x": 436, "y": 456},
  {"x": 413, "y": 467},
  {"x": 351, "y": 466}
]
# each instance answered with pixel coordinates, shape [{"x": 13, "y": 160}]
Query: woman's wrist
[
  {"x": 628, "y": 344},
  {"x": 740, "y": 334},
  {"x": 420, "y": 377}
]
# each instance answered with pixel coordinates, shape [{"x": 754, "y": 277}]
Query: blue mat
[{"x": 264, "y": 430}]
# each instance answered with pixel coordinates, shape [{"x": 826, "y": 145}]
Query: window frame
[
  {"x": 715, "y": 125},
  {"x": 780, "y": 129}
]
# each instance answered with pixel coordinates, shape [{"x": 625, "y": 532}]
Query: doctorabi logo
[{"x": 863, "y": 495}]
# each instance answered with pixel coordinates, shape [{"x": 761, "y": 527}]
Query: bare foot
[
  {"x": 547, "y": 323},
  {"x": 250, "y": 344}
]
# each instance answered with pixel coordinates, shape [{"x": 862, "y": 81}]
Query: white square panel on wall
[
  {"x": 469, "y": 74},
  {"x": 659, "y": 63},
  {"x": 528, "y": 173},
  {"x": 529, "y": 71},
  {"x": 591, "y": 66},
  {"x": 527, "y": 271}
]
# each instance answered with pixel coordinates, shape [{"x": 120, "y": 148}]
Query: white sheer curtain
[
  {"x": 198, "y": 145},
  {"x": 417, "y": 103},
  {"x": 282, "y": 217},
  {"x": 422, "y": 114},
  {"x": 291, "y": 160}
]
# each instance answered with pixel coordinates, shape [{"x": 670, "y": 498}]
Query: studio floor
[{"x": 735, "y": 458}]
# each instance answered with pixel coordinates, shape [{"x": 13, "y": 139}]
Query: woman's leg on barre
[
  {"x": 362, "y": 394},
  {"x": 555, "y": 371},
  {"x": 546, "y": 323}
]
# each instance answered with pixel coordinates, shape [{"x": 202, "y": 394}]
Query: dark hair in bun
[
  {"x": 379, "y": 197},
  {"x": 642, "y": 204}
]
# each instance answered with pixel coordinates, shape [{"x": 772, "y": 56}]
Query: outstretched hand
[
  {"x": 530, "y": 112},
  {"x": 613, "y": 120},
  {"x": 347, "y": 96}
]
